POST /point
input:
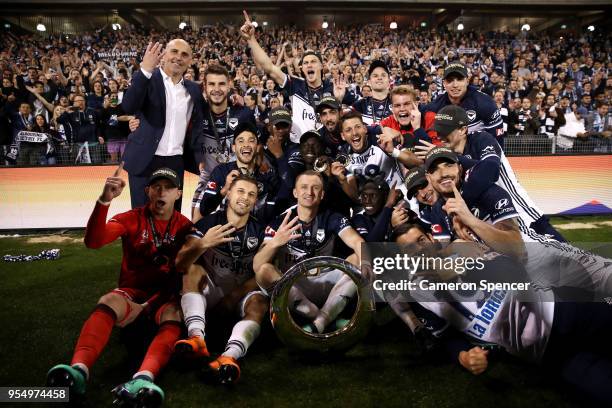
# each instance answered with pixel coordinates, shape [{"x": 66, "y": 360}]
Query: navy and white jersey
[
  {"x": 372, "y": 162},
  {"x": 486, "y": 164},
  {"x": 267, "y": 187},
  {"x": 372, "y": 110},
  {"x": 225, "y": 124},
  {"x": 230, "y": 264},
  {"x": 480, "y": 108},
  {"x": 304, "y": 100},
  {"x": 500, "y": 317},
  {"x": 373, "y": 228},
  {"x": 492, "y": 206},
  {"x": 318, "y": 236},
  {"x": 331, "y": 142}
]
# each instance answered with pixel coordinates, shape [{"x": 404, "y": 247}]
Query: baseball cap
[
  {"x": 308, "y": 134},
  {"x": 449, "y": 118},
  {"x": 246, "y": 127},
  {"x": 582, "y": 111},
  {"x": 455, "y": 68},
  {"x": 377, "y": 64},
  {"x": 414, "y": 179},
  {"x": 439, "y": 153},
  {"x": 328, "y": 102},
  {"x": 280, "y": 115},
  {"x": 166, "y": 173}
]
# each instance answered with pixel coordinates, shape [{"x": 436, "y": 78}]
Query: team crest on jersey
[
  {"x": 501, "y": 203},
  {"x": 233, "y": 122},
  {"x": 471, "y": 115},
  {"x": 205, "y": 122},
  {"x": 320, "y": 235},
  {"x": 252, "y": 242}
]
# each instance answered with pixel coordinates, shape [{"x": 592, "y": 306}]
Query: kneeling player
[
  {"x": 217, "y": 261},
  {"x": 148, "y": 284},
  {"x": 316, "y": 236}
]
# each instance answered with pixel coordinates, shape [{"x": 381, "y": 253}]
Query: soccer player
[
  {"x": 569, "y": 339},
  {"x": 217, "y": 260},
  {"x": 378, "y": 106},
  {"x": 301, "y": 233},
  {"x": 148, "y": 285},
  {"x": 480, "y": 107},
  {"x": 244, "y": 146},
  {"x": 219, "y": 124},
  {"x": 305, "y": 93},
  {"x": 377, "y": 200},
  {"x": 406, "y": 118},
  {"x": 367, "y": 159},
  {"x": 480, "y": 154}
]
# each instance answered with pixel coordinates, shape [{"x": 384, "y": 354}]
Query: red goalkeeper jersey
[{"x": 143, "y": 266}]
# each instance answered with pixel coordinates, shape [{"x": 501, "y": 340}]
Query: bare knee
[
  {"x": 170, "y": 313},
  {"x": 195, "y": 278},
  {"x": 256, "y": 307},
  {"x": 116, "y": 302},
  {"x": 266, "y": 275}
]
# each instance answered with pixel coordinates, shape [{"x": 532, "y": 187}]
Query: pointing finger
[
  {"x": 246, "y": 16},
  {"x": 118, "y": 170}
]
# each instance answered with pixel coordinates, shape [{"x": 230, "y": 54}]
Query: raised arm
[{"x": 247, "y": 31}]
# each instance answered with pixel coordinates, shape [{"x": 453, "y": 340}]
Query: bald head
[{"x": 177, "y": 58}]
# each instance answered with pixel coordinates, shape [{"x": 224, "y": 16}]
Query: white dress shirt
[{"x": 179, "y": 107}]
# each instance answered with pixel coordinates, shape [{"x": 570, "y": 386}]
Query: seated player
[
  {"x": 302, "y": 232},
  {"x": 148, "y": 285},
  {"x": 570, "y": 339},
  {"x": 244, "y": 146},
  {"x": 377, "y": 200},
  {"x": 217, "y": 262}
]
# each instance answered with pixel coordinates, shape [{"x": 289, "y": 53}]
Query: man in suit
[{"x": 165, "y": 103}]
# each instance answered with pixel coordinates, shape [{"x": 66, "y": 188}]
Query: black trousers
[
  {"x": 579, "y": 348},
  {"x": 139, "y": 182}
]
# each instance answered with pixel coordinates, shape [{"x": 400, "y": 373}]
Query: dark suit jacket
[{"x": 146, "y": 98}]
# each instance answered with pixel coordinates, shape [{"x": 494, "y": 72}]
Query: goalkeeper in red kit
[{"x": 148, "y": 285}]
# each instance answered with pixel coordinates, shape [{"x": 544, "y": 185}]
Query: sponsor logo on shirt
[{"x": 501, "y": 204}]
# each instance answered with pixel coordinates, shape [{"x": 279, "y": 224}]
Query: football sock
[
  {"x": 161, "y": 348},
  {"x": 194, "y": 309},
  {"x": 94, "y": 336},
  {"x": 243, "y": 335},
  {"x": 338, "y": 297},
  {"x": 302, "y": 305}
]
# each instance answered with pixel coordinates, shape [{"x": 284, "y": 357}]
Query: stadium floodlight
[
  {"x": 393, "y": 25},
  {"x": 41, "y": 27},
  {"x": 563, "y": 26},
  {"x": 182, "y": 25},
  {"x": 325, "y": 24},
  {"x": 591, "y": 28},
  {"x": 116, "y": 26},
  {"x": 460, "y": 27},
  {"x": 525, "y": 27},
  {"x": 7, "y": 25},
  {"x": 423, "y": 24},
  {"x": 265, "y": 23}
]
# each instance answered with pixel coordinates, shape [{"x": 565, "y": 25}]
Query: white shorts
[{"x": 214, "y": 294}]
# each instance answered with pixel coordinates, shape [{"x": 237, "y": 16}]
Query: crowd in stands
[{"x": 60, "y": 101}]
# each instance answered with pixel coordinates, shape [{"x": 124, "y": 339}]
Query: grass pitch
[{"x": 44, "y": 303}]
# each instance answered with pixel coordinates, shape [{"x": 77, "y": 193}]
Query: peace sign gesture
[{"x": 114, "y": 185}]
